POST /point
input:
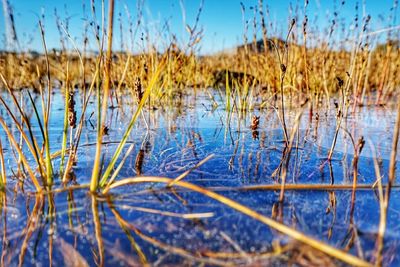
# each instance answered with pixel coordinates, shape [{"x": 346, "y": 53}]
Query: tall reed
[
  {"x": 106, "y": 91},
  {"x": 46, "y": 112}
]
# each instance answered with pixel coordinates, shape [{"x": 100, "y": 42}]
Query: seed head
[
  {"x": 105, "y": 130},
  {"x": 283, "y": 67},
  {"x": 340, "y": 81},
  {"x": 71, "y": 110},
  {"x": 255, "y": 121},
  {"x": 137, "y": 87}
]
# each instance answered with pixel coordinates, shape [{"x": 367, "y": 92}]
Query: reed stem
[{"x": 106, "y": 92}]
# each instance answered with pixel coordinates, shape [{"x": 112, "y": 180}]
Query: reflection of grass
[
  {"x": 253, "y": 214},
  {"x": 3, "y": 175},
  {"x": 42, "y": 218}
]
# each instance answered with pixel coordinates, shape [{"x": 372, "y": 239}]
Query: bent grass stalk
[
  {"x": 329, "y": 250},
  {"x": 186, "y": 216},
  {"x": 265, "y": 187}
]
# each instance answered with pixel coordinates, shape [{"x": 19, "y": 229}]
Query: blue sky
[{"x": 220, "y": 19}]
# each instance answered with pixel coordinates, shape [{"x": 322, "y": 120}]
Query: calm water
[{"x": 144, "y": 223}]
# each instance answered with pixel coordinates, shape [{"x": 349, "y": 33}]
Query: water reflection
[{"x": 151, "y": 223}]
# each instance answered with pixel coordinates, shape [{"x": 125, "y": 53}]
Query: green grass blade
[{"x": 118, "y": 151}]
